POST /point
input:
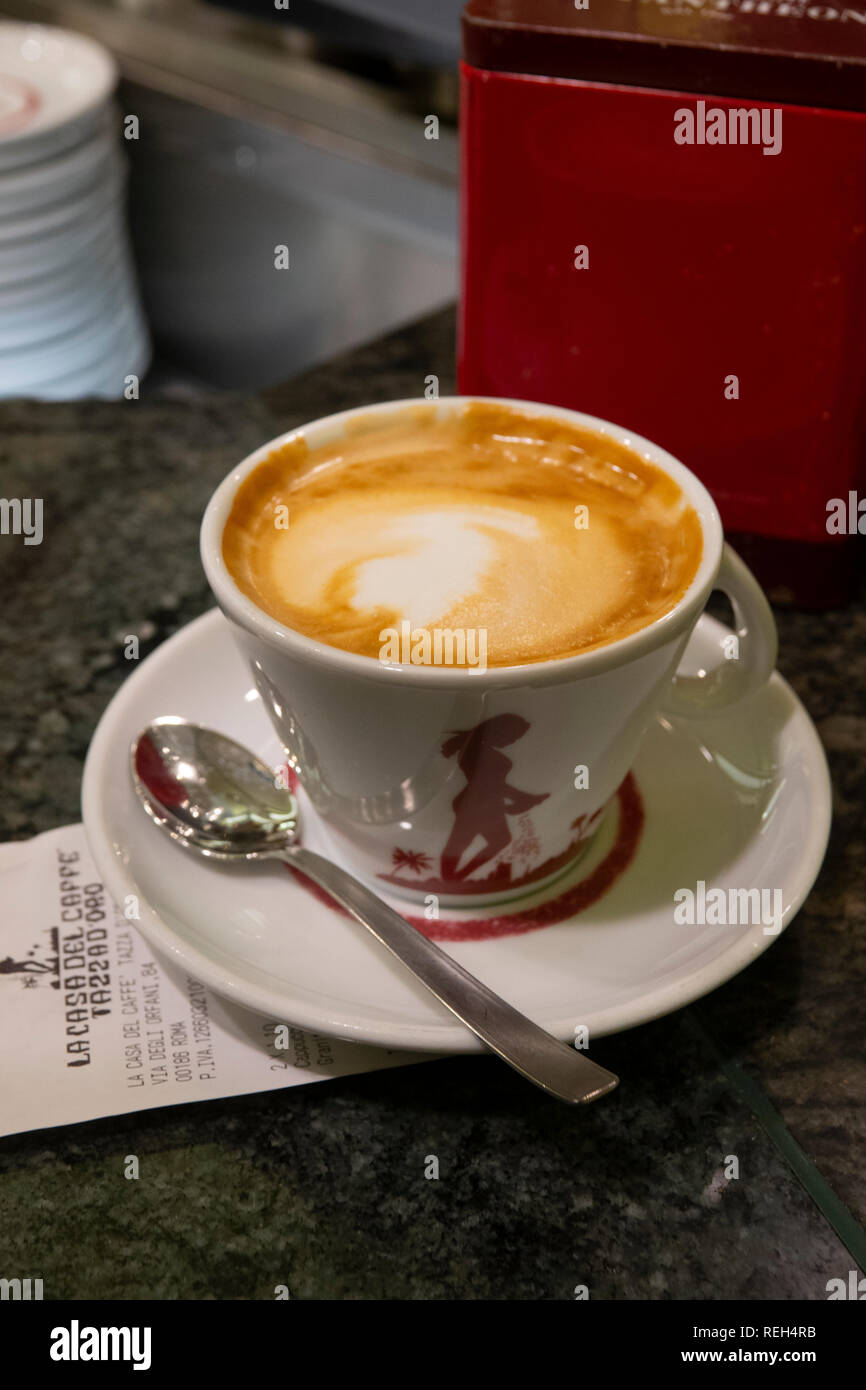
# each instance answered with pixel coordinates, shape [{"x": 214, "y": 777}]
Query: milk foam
[
  {"x": 455, "y": 527},
  {"x": 391, "y": 558},
  {"x": 442, "y": 558}
]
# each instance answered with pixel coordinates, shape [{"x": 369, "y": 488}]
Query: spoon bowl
[{"x": 210, "y": 794}]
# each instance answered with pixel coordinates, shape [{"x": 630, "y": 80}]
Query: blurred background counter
[{"x": 254, "y": 134}]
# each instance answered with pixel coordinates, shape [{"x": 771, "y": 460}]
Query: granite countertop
[{"x": 322, "y": 1187}]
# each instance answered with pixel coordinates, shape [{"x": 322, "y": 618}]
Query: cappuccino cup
[{"x": 461, "y": 615}]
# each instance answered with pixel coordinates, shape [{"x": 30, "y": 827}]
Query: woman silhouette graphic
[{"x": 482, "y": 808}]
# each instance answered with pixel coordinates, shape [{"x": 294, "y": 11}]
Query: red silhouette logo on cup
[{"x": 482, "y": 809}]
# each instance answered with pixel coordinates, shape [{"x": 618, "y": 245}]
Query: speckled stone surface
[{"x": 322, "y": 1187}]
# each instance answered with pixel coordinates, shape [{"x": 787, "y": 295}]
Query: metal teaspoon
[{"x": 214, "y": 796}]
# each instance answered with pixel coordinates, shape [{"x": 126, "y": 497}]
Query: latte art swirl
[{"x": 550, "y": 539}]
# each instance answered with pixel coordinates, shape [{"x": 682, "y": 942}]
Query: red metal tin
[{"x": 719, "y": 306}]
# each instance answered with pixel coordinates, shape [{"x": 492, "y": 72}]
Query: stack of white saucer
[{"x": 71, "y": 323}]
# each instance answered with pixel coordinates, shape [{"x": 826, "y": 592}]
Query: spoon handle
[{"x": 554, "y": 1066}]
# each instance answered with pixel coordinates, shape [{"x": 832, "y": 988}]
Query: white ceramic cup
[{"x": 460, "y": 785}]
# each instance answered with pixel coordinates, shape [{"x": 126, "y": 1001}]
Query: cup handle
[{"x": 747, "y": 655}]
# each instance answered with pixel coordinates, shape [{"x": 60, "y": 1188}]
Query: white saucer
[
  {"x": 67, "y": 252},
  {"x": 104, "y": 380},
  {"x": 29, "y": 188},
  {"x": 108, "y": 340},
  {"x": 54, "y": 86},
  {"x": 44, "y": 325},
  {"x": 82, "y": 208},
  {"x": 47, "y": 297},
  {"x": 738, "y": 802}
]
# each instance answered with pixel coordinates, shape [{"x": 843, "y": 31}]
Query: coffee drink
[{"x": 547, "y": 537}]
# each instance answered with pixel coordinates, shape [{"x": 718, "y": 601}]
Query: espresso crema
[{"x": 549, "y": 538}]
